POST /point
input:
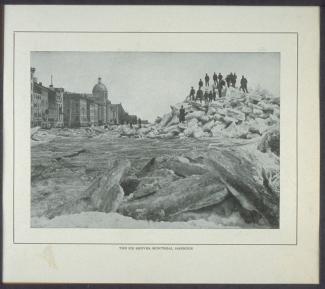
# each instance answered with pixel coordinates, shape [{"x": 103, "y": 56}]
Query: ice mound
[{"x": 235, "y": 115}]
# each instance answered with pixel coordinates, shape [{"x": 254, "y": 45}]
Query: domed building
[
  {"x": 100, "y": 97},
  {"x": 100, "y": 92},
  {"x": 54, "y": 106}
]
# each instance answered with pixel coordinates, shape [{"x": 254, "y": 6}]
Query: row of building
[{"x": 54, "y": 107}]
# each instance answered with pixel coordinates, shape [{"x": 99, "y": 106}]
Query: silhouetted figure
[
  {"x": 206, "y": 96},
  {"x": 234, "y": 79},
  {"x": 215, "y": 78},
  {"x": 221, "y": 84},
  {"x": 139, "y": 122},
  {"x": 207, "y": 79},
  {"x": 181, "y": 114},
  {"x": 220, "y": 76},
  {"x": 200, "y": 83},
  {"x": 243, "y": 84},
  {"x": 214, "y": 94},
  {"x": 228, "y": 79},
  {"x": 199, "y": 95},
  {"x": 192, "y": 93},
  {"x": 210, "y": 96}
]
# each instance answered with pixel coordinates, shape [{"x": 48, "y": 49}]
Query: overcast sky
[{"x": 148, "y": 83}]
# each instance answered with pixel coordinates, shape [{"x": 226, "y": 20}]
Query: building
[
  {"x": 100, "y": 97},
  {"x": 100, "y": 92},
  {"x": 116, "y": 114},
  {"x": 53, "y": 107},
  {"x": 39, "y": 101},
  {"x": 107, "y": 112},
  {"x": 132, "y": 119},
  {"x": 46, "y": 104},
  {"x": 75, "y": 109},
  {"x": 96, "y": 113},
  {"x": 35, "y": 117},
  {"x": 91, "y": 112},
  {"x": 36, "y": 110},
  {"x": 112, "y": 114}
]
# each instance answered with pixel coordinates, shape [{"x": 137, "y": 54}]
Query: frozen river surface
[{"x": 66, "y": 163}]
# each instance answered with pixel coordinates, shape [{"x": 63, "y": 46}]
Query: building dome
[
  {"x": 100, "y": 93},
  {"x": 99, "y": 88}
]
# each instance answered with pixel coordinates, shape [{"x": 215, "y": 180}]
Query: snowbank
[{"x": 236, "y": 115}]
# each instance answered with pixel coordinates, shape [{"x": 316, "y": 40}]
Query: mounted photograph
[
  {"x": 155, "y": 140},
  {"x": 183, "y": 136}
]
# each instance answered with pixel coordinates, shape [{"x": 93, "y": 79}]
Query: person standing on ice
[
  {"x": 234, "y": 79},
  {"x": 210, "y": 96},
  {"x": 206, "y": 97},
  {"x": 181, "y": 114},
  {"x": 192, "y": 93},
  {"x": 243, "y": 84},
  {"x": 207, "y": 79},
  {"x": 139, "y": 123},
  {"x": 220, "y": 77},
  {"x": 215, "y": 78},
  {"x": 220, "y": 86},
  {"x": 228, "y": 79},
  {"x": 199, "y": 95},
  {"x": 214, "y": 94},
  {"x": 200, "y": 83}
]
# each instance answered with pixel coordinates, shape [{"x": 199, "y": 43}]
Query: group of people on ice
[{"x": 218, "y": 85}]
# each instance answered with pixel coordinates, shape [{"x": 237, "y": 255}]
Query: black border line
[{"x": 151, "y": 244}]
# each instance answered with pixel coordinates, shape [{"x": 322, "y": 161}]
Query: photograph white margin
[{"x": 236, "y": 248}]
